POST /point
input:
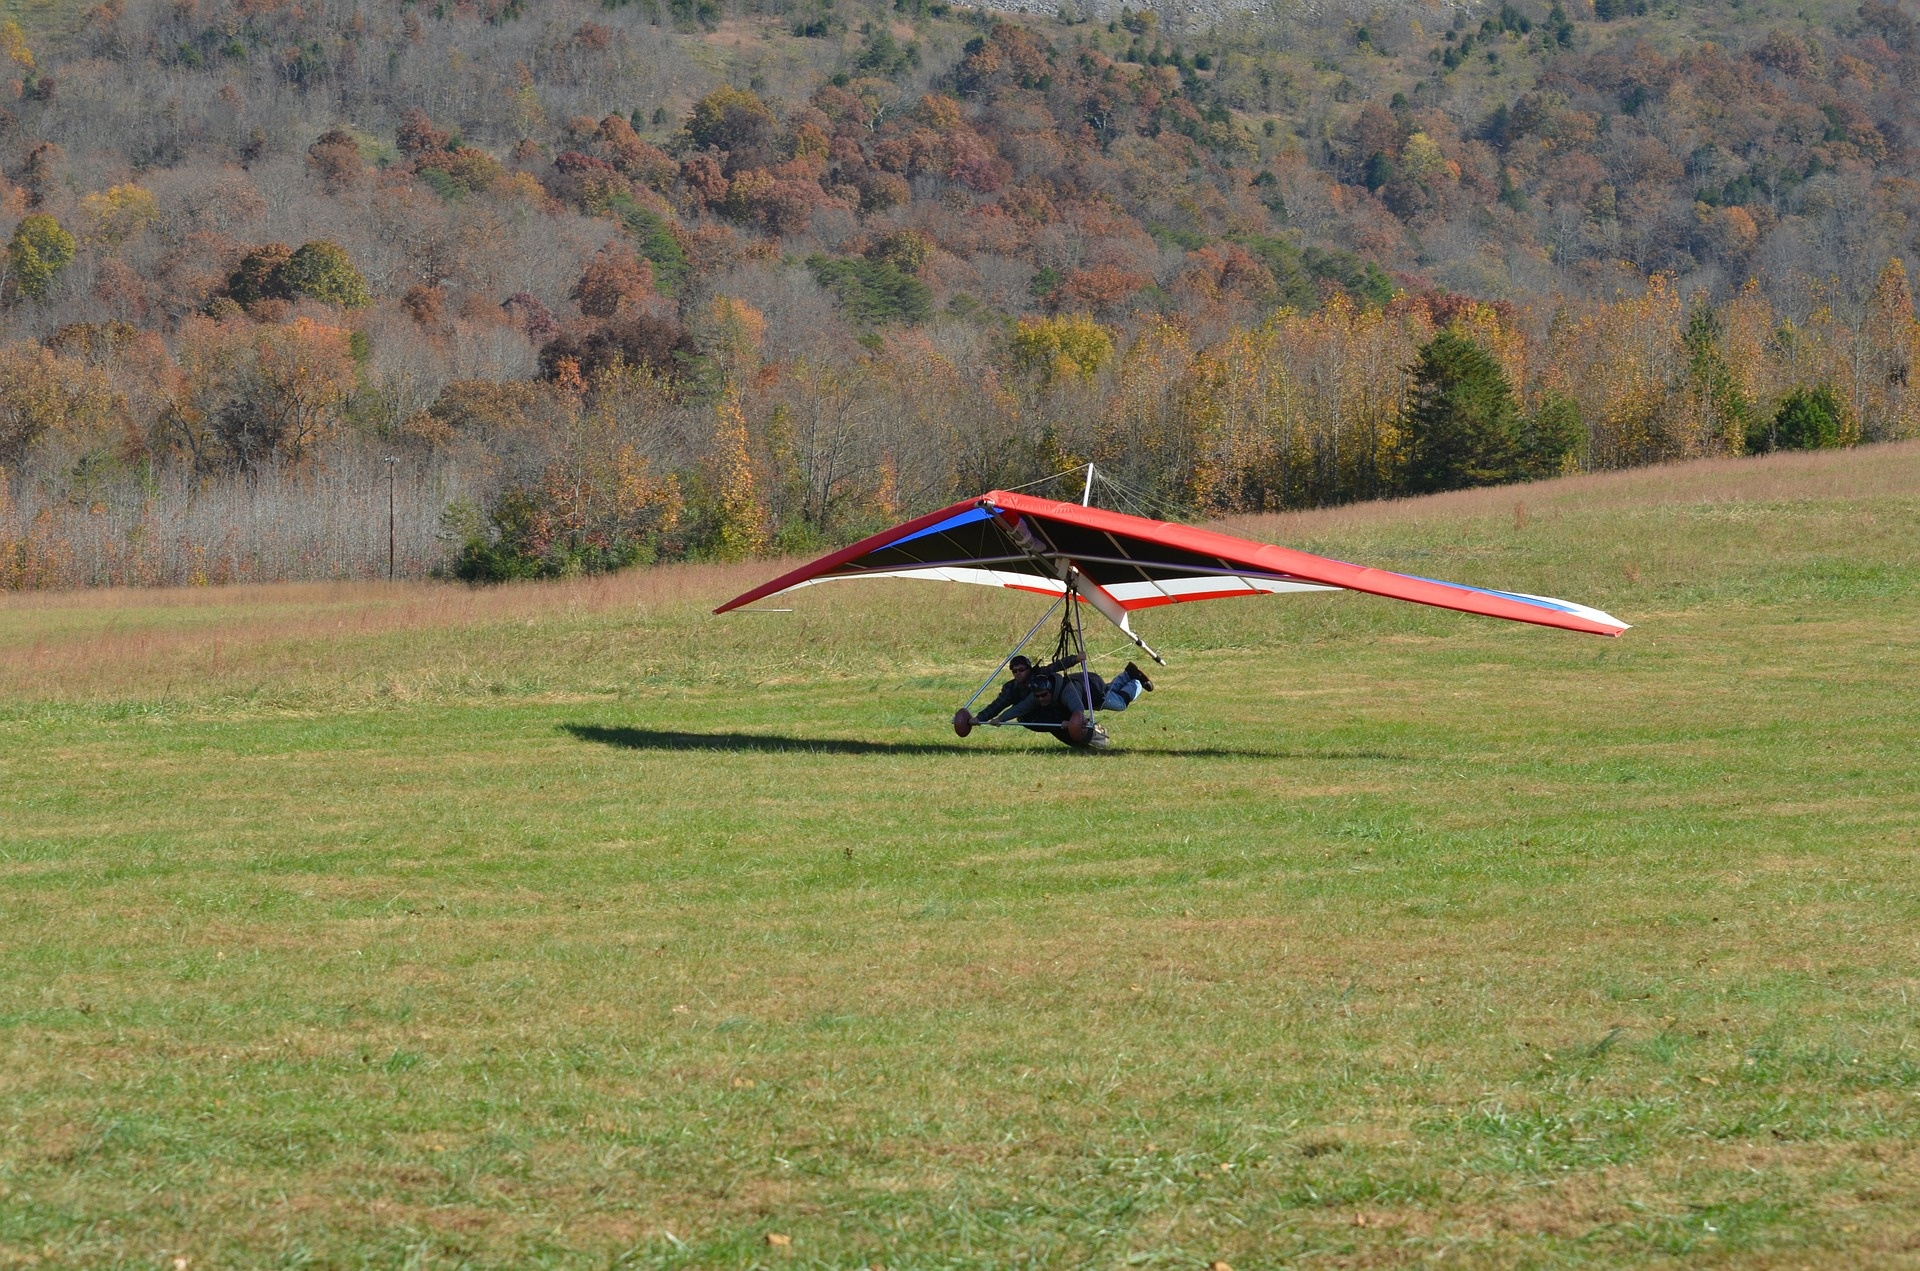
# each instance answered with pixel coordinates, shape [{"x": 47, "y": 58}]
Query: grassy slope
[
  {"x": 46, "y": 19},
  {"x": 364, "y": 927}
]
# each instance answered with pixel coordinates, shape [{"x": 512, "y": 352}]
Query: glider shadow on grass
[{"x": 627, "y": 737}]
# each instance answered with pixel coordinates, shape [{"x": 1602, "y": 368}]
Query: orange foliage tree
[{"x": 254, "y": 394}]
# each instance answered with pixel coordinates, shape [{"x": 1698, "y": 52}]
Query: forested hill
[{"x": 623, "y": 279}]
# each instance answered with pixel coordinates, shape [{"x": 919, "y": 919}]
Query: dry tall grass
[
  {"x": 108, "y": 642},
  {"x": 275, "y": 523},
  {"x": 118, "y": 639}
]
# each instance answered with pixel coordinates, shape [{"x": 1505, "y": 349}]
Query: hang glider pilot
[
  {"x": 1020, "y": 687},
  {"x": 1048, "y": 700}
]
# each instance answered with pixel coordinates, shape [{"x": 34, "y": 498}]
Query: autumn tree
[
  {"x": 1720, "y": 411},
  {"x": 597, "y": 503},
  {"x": 252, "y": 394},
  {"x": 906, "y": 250},
  {"x": 323, "y": 271},
  {"x": 1881, "y": 362},
  {"x": 534, "y": 319},
  {"x": 39, "y": 250},
  {"x": 257, "y": 276},
  {"x": 459, "y": 171},
  {"x": 738, "y": 122},
  {"x": 731, "y": 331},
  {"x": 828, "y": 439},
  {"x": 499, "y": 428},
  {"x": 660, "y": 344},
  {"x": 1144, "y": 432},
  {"x": 117, "y": 214},
  {"x": 1621, "y": 361},
  {"x": 1062, "y": 348},
  {"x": 336, "y": 159},
  {"x": 614, "y": 279},
  {"x": 739, "y": 528},
  {"x": 13, "y": 46},
  {"x": 615, "y": 141},
  {"x": 425, "y": 305},
  {"x": 42, "y": 170},
  {"x": 1307, "y": 409},
  {"x": 1100, "y": 288},
  {"x": 417, "y": 136},
  {"x": 42, "y": 393}
]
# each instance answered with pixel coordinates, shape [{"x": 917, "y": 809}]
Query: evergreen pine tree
[
  {"x": 1553, "y": 440},
  {"x": 1462, "y": 426},
  {"x": 1808, "y": 419}
]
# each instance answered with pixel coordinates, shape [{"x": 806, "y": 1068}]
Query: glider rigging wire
[{"x": 1031, "y": 631}]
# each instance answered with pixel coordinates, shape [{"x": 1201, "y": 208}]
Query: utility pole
[{"x": 390, "y": 461}]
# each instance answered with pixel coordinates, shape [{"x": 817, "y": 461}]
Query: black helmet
[{"x": 1019, "y": 662}]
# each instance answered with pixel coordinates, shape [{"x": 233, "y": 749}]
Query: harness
[{"x": 1071, "y": 639}]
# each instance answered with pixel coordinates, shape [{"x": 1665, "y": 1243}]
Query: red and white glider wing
[{"x": 1016, "y": 541}]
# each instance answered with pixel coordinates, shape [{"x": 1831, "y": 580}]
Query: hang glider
[{"x": 1118, "y": 564}]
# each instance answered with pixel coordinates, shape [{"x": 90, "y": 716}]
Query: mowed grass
[{"x": 571, "y": 926}]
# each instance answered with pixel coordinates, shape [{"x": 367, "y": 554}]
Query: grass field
[{"x": 569, "y": 926}]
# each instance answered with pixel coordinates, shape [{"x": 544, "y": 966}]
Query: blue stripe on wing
[
  {"x": 1558, "y": 606},
  {"x": 967, "y": 517}
]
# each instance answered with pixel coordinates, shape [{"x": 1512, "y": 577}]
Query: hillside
[{"x": 615, "y": 283}]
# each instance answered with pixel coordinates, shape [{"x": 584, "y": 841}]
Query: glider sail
[{"x": 1118, "y": 563}]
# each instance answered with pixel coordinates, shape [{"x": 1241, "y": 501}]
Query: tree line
[
  {"x": 614, "y": 289},
  {"x": 745, "y": 453}
]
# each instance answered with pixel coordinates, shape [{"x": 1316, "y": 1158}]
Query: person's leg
[{"x": 1122, "y": 692}]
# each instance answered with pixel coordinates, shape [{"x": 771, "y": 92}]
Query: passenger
[
  {"x": 1121, "y": 693},
  {"x": 1019, "y": 687},
  {"x": 1056, "y": 704}
]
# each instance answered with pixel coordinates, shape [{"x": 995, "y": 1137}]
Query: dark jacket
[
  {"x": 1011, "y": 692},
  {"x": 1052, "y": 717}
]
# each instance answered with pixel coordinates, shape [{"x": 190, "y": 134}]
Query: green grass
[{"x": 568, "y": 926}]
